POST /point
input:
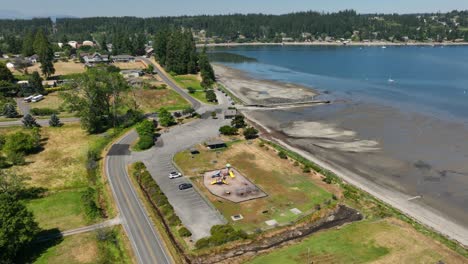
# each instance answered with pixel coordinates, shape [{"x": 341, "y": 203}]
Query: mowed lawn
[
  {"x": 191, "y": 80},
  {"x": 81, "y": 248},
  {"x": 286, "y": 186},
  {"x": 150, "y": 100},
  {"x": 52, "y": 101},
  {"x": 60, "y": 170},
  {"x": 61, "y": 68},
  {"x": 369, "y": 241}
]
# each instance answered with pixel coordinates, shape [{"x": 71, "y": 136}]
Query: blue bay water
[{"x": 430, "y": 80}]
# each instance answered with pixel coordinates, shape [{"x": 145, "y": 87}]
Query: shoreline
[
  {"x": 422, "y": 213},
  {"x": 336, "y": 44}
]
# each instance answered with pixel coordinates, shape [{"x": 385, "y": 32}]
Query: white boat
[
  {"x": 384, "y": 47},
  {"x": 390, "y": 80}
]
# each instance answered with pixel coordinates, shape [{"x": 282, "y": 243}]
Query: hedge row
[
  {"x": 43, "y": 111},
  {"x": 152, "y": 189}
]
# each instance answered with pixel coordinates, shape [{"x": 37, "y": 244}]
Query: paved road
[
  {"x": 80, "y": 230},
  {"x": 146, "y": 242},
  {"x": 194, "y": 102},
  {"x": 23, "y": 106},
  {"x": 42, "y": 122},
  {"x": 189, "y": 205}
]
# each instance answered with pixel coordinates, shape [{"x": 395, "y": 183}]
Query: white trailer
[{"x": 37, "y": 98}]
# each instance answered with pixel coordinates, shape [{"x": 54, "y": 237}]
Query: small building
[
  {"x": 149, "y": 51},
  {"x": 33, "y": 59},
  {"x": 216, "y": 144},
  {"x": 10, "y": 65},
  {"x": 88, "y": 43},
  {"x": 95, "y": 58},
  {"x": 230, "y": 113},
  {"x": 131, "y": 73},
  {"x": 123, "y": 58},
  {"x": 73, "y": 44},
  {"x": 23, "y": 83}
]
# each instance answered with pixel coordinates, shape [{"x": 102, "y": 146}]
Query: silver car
[{"x": 174, "y": 175}]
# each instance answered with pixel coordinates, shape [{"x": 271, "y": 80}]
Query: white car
[{"x": 174, "y": 175}]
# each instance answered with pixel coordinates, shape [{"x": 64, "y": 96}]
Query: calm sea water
[{"x": 432, "y": 80}]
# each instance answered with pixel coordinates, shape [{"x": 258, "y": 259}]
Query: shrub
[
  {"x": 210, "y": 96},
  {"x": 250, "y": 133},
  {"x": 306, "y": 169},
  {"x": 20, "y": 142},
  {"x": 173, "y": 220},
  {"x": 89, "y": 204},
  {"x": 43, "y": 111},
  {"x": 228, "y": 130},
  {"x": 221, "y": 234},
  {"x": 184, "y": 232},
  {"x": 191, "y": 90},
  {"x": 16, "y": 158},
  {"x": 145, "y": 142},
  {"x": 282, "y": 155}
]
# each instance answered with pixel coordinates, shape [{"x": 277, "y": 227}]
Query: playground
[{"x": 230, "y": 184}]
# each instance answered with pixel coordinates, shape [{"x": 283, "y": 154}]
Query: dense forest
[{"x": 128, "y": 34}]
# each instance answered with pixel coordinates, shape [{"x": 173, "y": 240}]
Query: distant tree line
[{"x": 129, "y": 34}]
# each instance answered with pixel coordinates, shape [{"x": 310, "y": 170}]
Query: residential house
[
  {"x": 131, "y": 73},
  {"x": 123, "y": 58},
  {"x": 33, "y": 59},
  {"x": 149, "y": 51},
  {"x": 95, "y": 58},
  {"x": 73, "y": 44}
]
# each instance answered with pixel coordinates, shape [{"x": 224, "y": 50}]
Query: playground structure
[
  {"x": 230, "y": 184},
  {"x": 221, "y": 175}
]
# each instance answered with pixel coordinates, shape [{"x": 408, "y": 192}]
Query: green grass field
[
  {"x": 186, "y": 81},
  {"x": 286, "y": 186},
  {"x": 385, "y": 241},
  {"x": 62, "y": 210}
]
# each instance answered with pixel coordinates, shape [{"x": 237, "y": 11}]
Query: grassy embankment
[
  {"x": 59, "y": 170},
  {"x": 286, "y": 185},
  {"x": 191, "y": 80}
]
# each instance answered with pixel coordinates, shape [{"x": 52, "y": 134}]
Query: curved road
[{"x": 146, "y": 242}]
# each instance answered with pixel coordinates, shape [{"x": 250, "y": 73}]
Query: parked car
[
  {"x": 184, "y": 186},
  {"x": 29, "y": 98},
  {"x": 37, "y": 98},
  {"x": 174, "y": 175}
]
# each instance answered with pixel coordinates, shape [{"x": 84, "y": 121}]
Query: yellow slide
[{"x": 231, "y": 174}]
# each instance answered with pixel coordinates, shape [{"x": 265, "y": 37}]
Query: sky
[{"x": 151, "y": 8}]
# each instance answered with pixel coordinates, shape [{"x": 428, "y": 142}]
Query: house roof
[
  {"x": 215, "y": 142},
  {"x": 123, "y": 57},
  {"x": 130, "y": 71}
]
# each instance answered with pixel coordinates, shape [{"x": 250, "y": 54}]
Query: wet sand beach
[{"x": 392, "y": 154}]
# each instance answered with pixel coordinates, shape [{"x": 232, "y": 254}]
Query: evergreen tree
[
  {"x": 5, "y": 74},
  {"x": 17, "y": 227},
  {"x": 29, "y": 121},
  {"x": 28, "y": 44},
  {"x": 36, "y": 83},
  {"x": 44, "y": 50},
  {"x": 9, "y": 110},
  {"x": 206, "y": 71},
  {"x": 55, "y": 121}
]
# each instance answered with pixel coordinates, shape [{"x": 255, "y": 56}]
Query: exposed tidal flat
[{"x": 400, "y": 129}]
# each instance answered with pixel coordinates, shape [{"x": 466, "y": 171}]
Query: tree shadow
[
  {"x": 32, "y": 193},
  {"x": 42, "y": 242}
]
